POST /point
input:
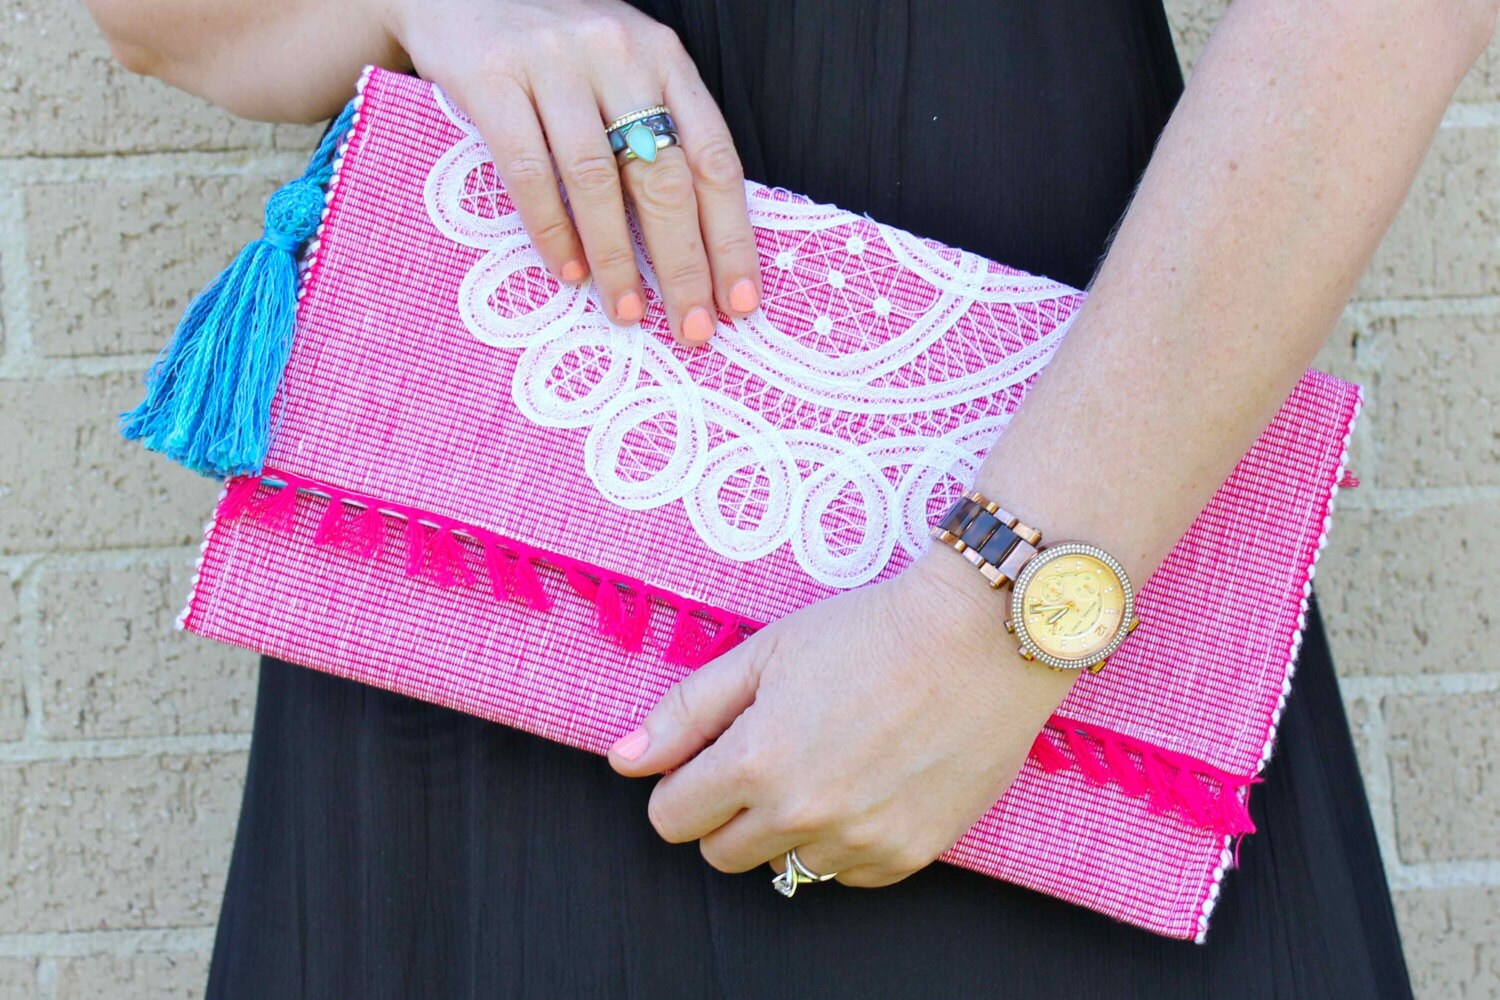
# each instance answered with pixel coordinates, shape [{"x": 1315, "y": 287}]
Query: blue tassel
[{"x": 209, "y": 392}]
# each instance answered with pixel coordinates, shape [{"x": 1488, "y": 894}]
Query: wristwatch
[{"x": 1071, "y": 603}]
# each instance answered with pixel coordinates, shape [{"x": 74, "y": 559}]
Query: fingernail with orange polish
[
  {"x": 742, "y": 297},
  {"x": 698, "y": 326},
  {"x": 573, "y": 271},
  {"x": 630, "y": 308},
  {"x": 632, "y": 744}
]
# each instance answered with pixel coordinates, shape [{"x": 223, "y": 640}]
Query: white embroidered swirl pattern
[{"x": 836, "y": 419}]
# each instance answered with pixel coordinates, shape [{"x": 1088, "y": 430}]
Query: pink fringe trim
[
  {"x": 1349, "y": 481},
  {"x": 450, "y": 553},
  {"x": 1203, "y": 795}
]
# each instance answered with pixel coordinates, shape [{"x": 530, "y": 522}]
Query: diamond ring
[{"x": 795, "y": 874}]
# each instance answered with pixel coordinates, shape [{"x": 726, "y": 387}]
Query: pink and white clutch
[{"x": 481, "y": 493}]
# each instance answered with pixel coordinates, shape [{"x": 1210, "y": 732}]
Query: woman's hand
[
  {"x": 869, "y": 731},
  {"x": 541, "y": 78}
]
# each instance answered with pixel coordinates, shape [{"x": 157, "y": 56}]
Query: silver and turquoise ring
[
  {"x": 640, "y": 135},
  {"x": 795, "y": 874}
]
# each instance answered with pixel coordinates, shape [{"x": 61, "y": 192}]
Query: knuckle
[
  {"x": 749, "y": 771},
  {"x": 714, "y": 853},
  {"x": 735, "y": 246},
  {"x": 527, "y": 172},
  {"x": 592, "y": 177},
  {"x": 684, "y": 276},
  {"x": 801, "y": 815},
  {"x": 680, "y": 705},
  {"x": 614, "y": 257},
  {"x": 606, "y": 31},
  {"x": 656, "y": 813},
  {"x": 665, "y": 189},
  {"x": 662, "y": 37},
  {"x": 497, "y": 64},
  {"x": 861, "y": 840},
  {"x": 547, "y": 42},
  {"x": 717, "y": 165},
  {"x": 553, "y": 230}
]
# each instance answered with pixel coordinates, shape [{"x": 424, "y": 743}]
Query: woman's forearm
[
  {"x": 1283, "y": 165},
  {"x": 275, "y": 60}
]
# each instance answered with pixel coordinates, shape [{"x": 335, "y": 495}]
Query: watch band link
[{"x": 990, "y": 537}]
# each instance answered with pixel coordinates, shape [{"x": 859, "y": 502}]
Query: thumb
[{"x": 691, "y": 715}]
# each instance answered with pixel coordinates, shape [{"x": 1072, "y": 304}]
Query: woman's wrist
[{"x": 946, "y": 598}]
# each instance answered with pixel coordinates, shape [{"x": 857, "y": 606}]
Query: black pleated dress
[{"x": 392, "y": 849}]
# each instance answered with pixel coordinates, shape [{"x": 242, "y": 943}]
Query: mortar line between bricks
[
  {"x": 1410, "y": 499},
  {"x": 110, "y": 558},
  {"x": 1472, "y": 114},
  {"x": 148, "y": 166},
  {"x": 33, "y": 368},
  {"x": 1376, "y": 687},
  {"x": 1362, "y": 312},
  {"x": 1445, "y": 875},
  {"x": 83, "y": 944},
  {"x": 31, "y": 750}
]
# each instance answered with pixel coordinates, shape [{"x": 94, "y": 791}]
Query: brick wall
[{"x": 122, "y": 743}]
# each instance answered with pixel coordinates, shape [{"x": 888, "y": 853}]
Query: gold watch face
[{"x": 1071, "y": 604}]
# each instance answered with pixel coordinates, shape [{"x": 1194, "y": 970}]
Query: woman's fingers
[
  {"x": 755, "y": 837},
  {"x": 719, "y": 183},
  {"x": 693, "y": 713},
  {"x": 509, "y": 124},
  {"x": 570, "y": 118},
  {"x": 679, "y": 808},
  {"x": 667, "y": 211},
  {"x": 543, "y": 119},
  {"x": 748, "y": 841}
]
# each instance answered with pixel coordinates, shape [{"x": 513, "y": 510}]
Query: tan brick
[
  {"x": 12, "y": 702},
  {"x": 1412, "y": 592},
  {"x": 61, "y": 93},
  {"x": 107, "y": 844},
  {"x": 1442, "y": 242},
  {"x": 115, "y": 264},
  {"x": 160, "y": 976},
  {"x": 69, "y": 481},
  {"x": 1341, "y": 355},
  {"x": 1445, "y": 770},
  {"x": 1192, "y": 22},
  {"x": 1451, "y": 938},
  {"x": 1436, "y": 411},
  {"x": 1483, "y": 81},
  {"x": 113, "y": 665},
  {"x": 18, "y": 979},
  {"x": 1361, "y": 718}
]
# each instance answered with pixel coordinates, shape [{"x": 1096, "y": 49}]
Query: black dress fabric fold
[{"x": 389, "y": 848}]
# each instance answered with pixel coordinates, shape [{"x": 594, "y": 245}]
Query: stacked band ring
[
  {"x": 641, "y": 134},
  {"x": 796, "y": 874}
]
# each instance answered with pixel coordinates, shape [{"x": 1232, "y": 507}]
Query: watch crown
[{"x": 1009, "y": 626}]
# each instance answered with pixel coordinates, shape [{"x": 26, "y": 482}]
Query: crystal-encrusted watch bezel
[{"x": 1018, "y": 603}]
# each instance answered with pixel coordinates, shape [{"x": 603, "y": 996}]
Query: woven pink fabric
[{"x": 567, "y": 516}]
